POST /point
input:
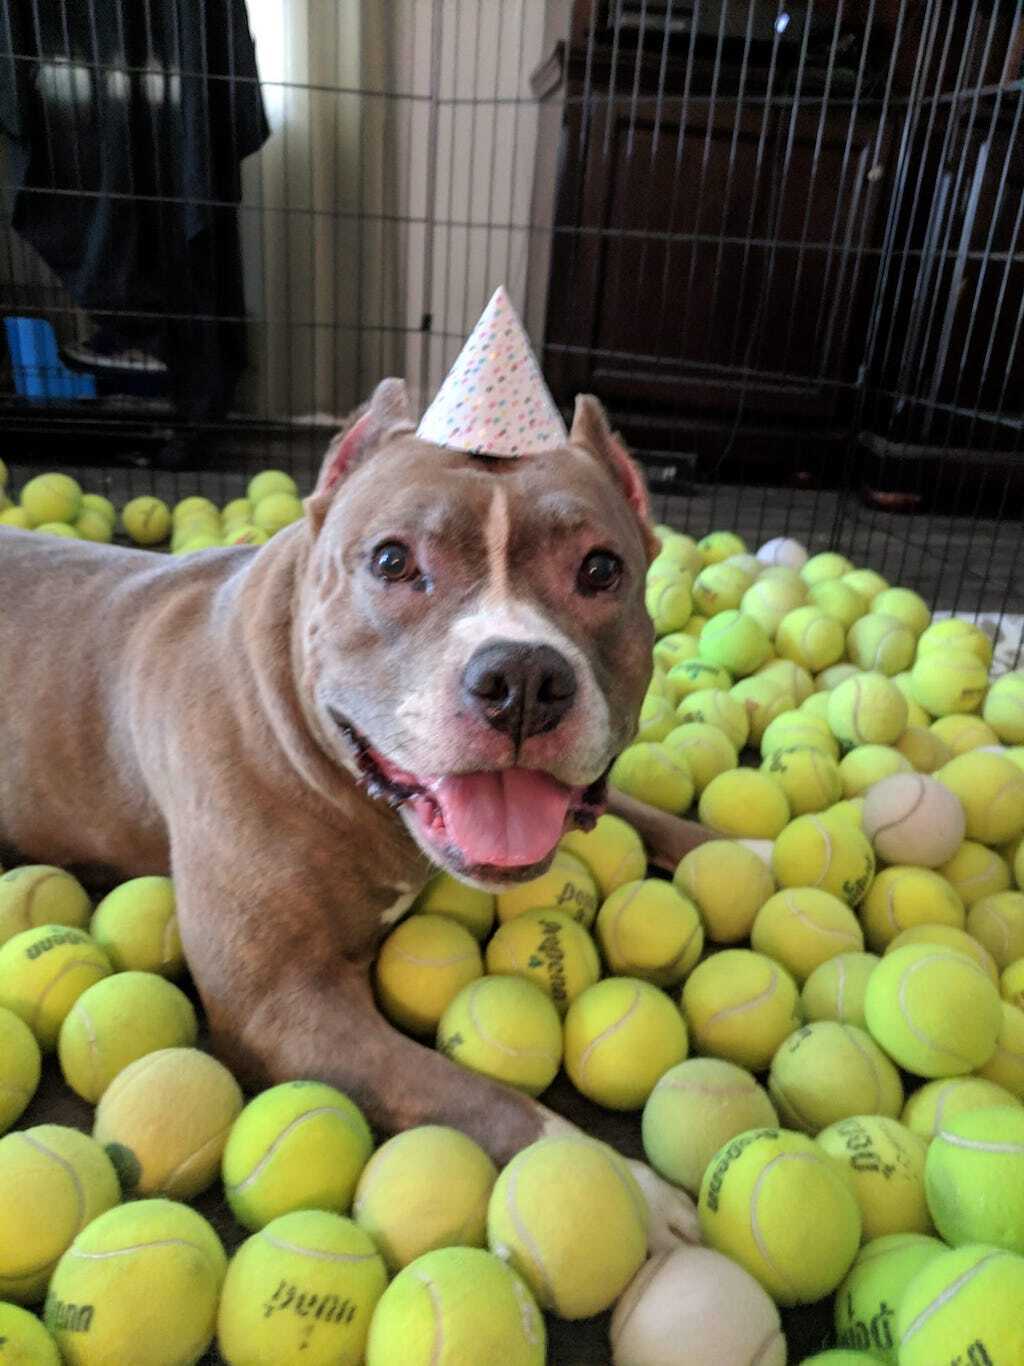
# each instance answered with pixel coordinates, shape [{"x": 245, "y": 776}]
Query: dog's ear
[
  {"x": 385, "y": 416},
  {"x": 590, "y": 430}
]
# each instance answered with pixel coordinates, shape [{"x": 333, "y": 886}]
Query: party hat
[{"x": 494, "y": 400}]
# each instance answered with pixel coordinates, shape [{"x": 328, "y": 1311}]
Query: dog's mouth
[{"x": 490, "y": 824}]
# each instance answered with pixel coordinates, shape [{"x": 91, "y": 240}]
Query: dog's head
[{"x": 475, "y": 643}]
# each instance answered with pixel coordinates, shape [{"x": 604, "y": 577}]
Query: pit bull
[{"x": 434, "y": 669}]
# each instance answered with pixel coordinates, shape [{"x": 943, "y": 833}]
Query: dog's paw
[{"x": 673, "y": 1213}]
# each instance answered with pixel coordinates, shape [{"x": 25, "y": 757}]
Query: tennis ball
[
  {"x": 1004, "y": 708},
  {"x": 866, "y": 765},
  {"x": 750, "y": 564},
  {"x": 720, "y": 588},
  {"x": 673, "y": 1299},
  {"x": 23, "y": 1339},
  {"x": 147, "y": 520},
  {"x": 446, "y": 896},
  {"x": 136, "y": 926},
  {"x": 164, "y": 1120},
  {"x": 963, "y": 1305},
  {"x": 650, "y": 773},
  {"x": 657, "y": 717},
  {"x": 744, "y": 804},
  {"x": 763, "y": 699},
  {"x": 675, "y": 648},
  {"x": 53, "y": 1181},
  {"x": 809, "y": 637},
  {"x": 783, "y": 1209},
  {"x": 828, "y": 565},
  {"x": 462, "y": 1302},
  {"x": 194, "y": 506},
  {"x": 265, "y": 483},
  {"x": 715, "y": 707},
  {"x": 620, "y": 1037},
  {"x": 62, "y": 530},
  {"x": 51, "y": 498},
  {"x": 830, "y": 678},
  {"x": 947, "y": 681},
  {"x": 974, "y": 1178},
  {"x": 816, "y": 706},
  {"x": 299, "y": 1145},
  {"x": 783, "y": 550},
  {"x": 421, "y": 967},
  {"x": 795, "y": 728},
  {"x": 719, "y": 545},
  {"x": 694, "y": 675},
  {"x": 901, "y": 897},
  {"x": 739, "y": 1006},
  {"x": 947, "y": 937},
  {"x": 647, "y": 929},
  {"x": 925, "y": 751},
  {"x": 669, "y": 601},
  {"x": 38, "y": 894},
  {"x": 244, "y": 534},
  {"x": 735, "y": 642},
  {"x": 43, "y": 971},
  {"x": 566, "y": 886},
  {"x": 961, "y": 734},
  {"x": 612, "y": 852},
  {"x": 885, "y": 1163},
  {"x": 304, "y": 1288},
  {"x": 793, "y": 676},
  {"x": 835, "y": 989},
  {"x": 703, "y": 750},
  {"x": 408, "y": 1211},
  {"x": 837, "y": 599},
  {"x": 567, "y": 1215},
  {"x": 867, "y": 710},
  {"x": 975, "y": 871},
  {"x": 694, "y": 1109},
  {"x": 809, "y": 778},
  {"x": 93, "y": 526},
  {"x": 238, "y": 512},
  {"x": 506, "y": 1028},
  {"x": 991, "y": 789},
  {"x": 1018, "y": 863},
  {"x": 550, "y": 949},
  {"x": 276, "y": 511},
  {"x": 904, "y": 606},
  {"x": 115, "y": 1022},
  {"x": 16, "y": 517},
  {"x": 820, "y": 851},
  {"x": 728, "y": 883},
  {"x": 851, "y": 811},
  {"x": 828, "y": 1071},
  {"x": 998, "y": 922},
  {"x": 866, "y": 582},
  {"x": 866, "y": 1302},
  {"x": 1011, "y": 983},
  {"x": 913, "y": 819},
  {"x": 934, "y": 1011},
  {"x": 194, "y": 544},
  {"x": 938, "y": 1103},
  {"x": 20, "y": 1067},
  {"x": 1006, "y": 1066},
  {"x": 954, "y": 634},
  {"x": 802, "y": 927},
  {"x": 768, "y": 601},
  {"x": 677, "y": 548}
]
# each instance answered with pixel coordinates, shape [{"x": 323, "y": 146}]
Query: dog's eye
[
  {"x": 599, "y": 572},
  {"x": 393, "y": 562}
]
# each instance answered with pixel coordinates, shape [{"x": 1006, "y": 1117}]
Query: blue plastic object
[{"x": 39, "y": 372}]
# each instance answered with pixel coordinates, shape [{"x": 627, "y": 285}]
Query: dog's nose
[{"x": 519, "y": 689}]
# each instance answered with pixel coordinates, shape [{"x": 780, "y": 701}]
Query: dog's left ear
[
  {"x": 590, "y": 429},
  {"x": 385, "y": 416}
]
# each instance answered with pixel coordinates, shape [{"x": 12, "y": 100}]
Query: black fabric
[{"x": 128, "y": 121}]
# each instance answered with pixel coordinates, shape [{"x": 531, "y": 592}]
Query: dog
[{"x": 435, "y": 668}]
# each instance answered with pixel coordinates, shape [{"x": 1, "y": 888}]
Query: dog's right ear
[{"x": 385, "y": 416}]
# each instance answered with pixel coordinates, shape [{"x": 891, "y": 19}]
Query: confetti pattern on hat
[{"x": 495, "y": 401}]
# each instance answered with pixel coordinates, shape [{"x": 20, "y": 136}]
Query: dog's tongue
[{"x": 508, "y": 819}]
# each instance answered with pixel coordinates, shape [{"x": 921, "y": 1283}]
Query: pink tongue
[{"x": 509, "y": 819}]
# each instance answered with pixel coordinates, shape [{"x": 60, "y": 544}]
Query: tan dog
[{"x": 435, "y": 667}]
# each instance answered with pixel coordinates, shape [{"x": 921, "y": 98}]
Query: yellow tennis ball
[
  {"x": 466, "y": 1302},
  {"x": 954, "y": 634},
  {"x": 885, "y": 1164},
  {"x": 1011, "y": 983},
  {"x": 650, "y": 773},
  {"x": 901, "y": 897},
  {"x": 768, "y": 601},
  {"x": 975, "y": 1178},
  {"x": 905, "y": 606},
  {"x": 866, "y": 765},
  {"x": 38, "y": 894},
  {"x": 728, "y": 883},
  {"x": 302, "y": 1289},
  {"x": 866, "y": 1302},
  {"x": 244, "y": 534},
  {"x": 506, "y": 1028},
  {"x": 695, "y": 1108},
  {"x": 147, "y": 520},
  {"x": 947, "y": 681},
  {"x": 793, "y": 676},
  {"x": 90, "y": 525},
  {"x": 43, "y": 971},
  {"x": 821, "y": 851},
  {"x": 237, "y": 513},
  {"x": 828, "y": 1071},
  {"x": 829, "y": 679},
  {"x": 1018, "y": 863},
  {"x": 657, "y": 717},
  {"x": 53, "y": 1181},
  {"x": 421, "y": 967},
  {"x": 809, "y": 778},
  {"x": 783, "y": 1209},
  {"x": 677, "y": 548},
  {"x": 51, "y": 498},
  {"x": 880, "y": 643},
  {"x": 835, "y": 989},
  {"x": 750, "y": 564},
  {"x": 849, "y": 810},
  {"x": 816, "y": 706},
  {"x": 550, "y": 949},
  {"x": 827, "y": 565},
  {"x": 23, "y": 1339},
  {"x": 837, "y": 599},
  {"x": 265, "y": 483},
  {"x": 115, "y": 1022},
  {"x": 621, "y": 1035},
  {"x": 1004, "y": 708},
  {"x": 947, "y": 937},
  {"x": 20, "y": 1067},
  {"x": 935, "y": 1012},
  {"x": 763, "y": 698},
  {"x": 694, "y": 675},
  {"x": 1006, "y": 1065},
  {"x": 675, "y": 648},
  {"x": 568, "y": 1216},
  {"x": 63, "y": 530},
  {"x": 469, "y": 907},
  {"x": 867, "y": 709},
  {"x": 913, "y": 819},
  {"x": 739, "y": 1006},
  {"x": 194, "y": 506},
  {"x": 404, "y": 1207},
  {"x": 794, "y": 728},
  {"x": 811, "y": 638},
  {"x": 963, "y": 1304},
  {"x": 165, "y": 1119},
  {"x": 299, "y": 1145},
  {"x": 136, "y": 926},
  {"x": 720, "y": 588},
  {"x": 703, "y": 750},
  {"x": 16, "y": 517},
  {"x": 925, "y": 751},
  {"x": 961, "y": 734},
  {"x": 669, "y": 600},
  {"x": 735, "y": 642},
  {"x": 276, "y": 511},
  {"x": 719, "y": 545},
  {"x": 714, "y": 707},
  {"x": 866, "y": 582},
  {"x": 567, "y": 886},
  {"x": 998, "y": 922},
  {"x": 744, "y": 804},
  {"x": 991, "y": 789},
  {"x": 939, "y": 1102},
  {"x": 193, "y": 544},
  {"x": 613, "y": 853},
  {"x": 647, "y": 929},
  {"x": 802, "y": 927},
  {"x": 975, "y": 871}
]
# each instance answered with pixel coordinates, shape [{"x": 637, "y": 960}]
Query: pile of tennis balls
[{"x": 55, "y": 505}]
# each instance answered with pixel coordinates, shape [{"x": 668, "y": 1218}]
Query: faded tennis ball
[
  {"x": 809, "y": 778},
  {"x": 811, "y": 638},
  {"x": 827, "y": 1071},
  {"x": 939, "y": 1102},
  {"x": 783, "y": 550},
  {"x": 704, "y": 750},
  {"x": 914, "y": 819},
  {"x": 947, "y": 681},
  {"x": 991, "y": 789},
  {"x": 728, "y": 883},
  {"x": 468, "y": 906},
  {"x": 867, "y": 709},
  {"x": 744, "y": 804},
  {"x": 901, "y": 897},
  {"x": 740, "y": 1006},
  {"x": 39, "y": 894},
  {"x": 505, "y": 1028},
  {"x": 550, "y": 949},
  {"x": 885, "y": 1164},
  {"x": 925, "y": 750},
  {"x": 647, "y": 929},
  {"x": 621, "y": 1036},
  {"x": 835, "y": 989},
  {"x": 976, "y": 871},
  {"x": 20, "y": 1067},
  {"x": 51, "y": 498},
  {"x": 961, "y": 734},
  {"x": 821, "y": 851},
  {"x": 1006, "y": 1065},
  {"x": 566, "y": 886},
  {"x": 421, "y": 967},
  {"x": 147, "y": 520},
  {"x": 998, "y": 922},
  {"x": 651, "y": 774},
  {"x": 715, "y": 707},
  {"x": 763, "y": 699}
]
